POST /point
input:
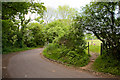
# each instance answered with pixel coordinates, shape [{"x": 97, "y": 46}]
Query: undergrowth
[
  {"x": 61, "y": 53},
  {"x": 107, "y": 64},
  {"x": 13, "y": 49}
]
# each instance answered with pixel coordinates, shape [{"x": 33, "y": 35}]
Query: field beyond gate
[{"x": 94, "y": 46}]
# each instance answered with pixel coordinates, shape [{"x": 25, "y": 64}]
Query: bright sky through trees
[
  {"x": 71, "y": 3},
  {"x": 55, "y": 3}
]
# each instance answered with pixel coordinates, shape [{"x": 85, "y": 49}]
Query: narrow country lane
[{"x": 29, "y": 64}]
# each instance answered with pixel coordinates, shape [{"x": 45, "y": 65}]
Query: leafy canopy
[{"x": 101, "y": 19}]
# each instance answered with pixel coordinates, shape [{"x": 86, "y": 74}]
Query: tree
[
  {"x": 100, "y": 18},
  {"x": 89, "y": 36},
  {"x": 73, "y": 38},
  {"x": 15, "y": 14},
  {"x": 10, "y": 9},
  {"x": 33, "y": 35},
  {"x": 33, "y": 7},
  {"x": 55, "y": 29},
  {"x": 49, "y": 15},
  {"x": 65, "y": 12}
]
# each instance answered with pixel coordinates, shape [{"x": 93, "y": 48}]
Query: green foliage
[
  {"x": 90, "y": 36},
  {"x": 65, "y": 12},
  {"x": 14, "y": 23},
  {"x": 101, "y": 19},
  {"x": 55, "y": 29},
  {"x": 67, "y": 45},
  {"x": 9, "y": 9},
  {"x": 33, "y": 35},
  {"x": 73, "y": 38},
  {"x": 14, "y": 49},
  {"x": 107, "y": 64},
  {"x": 61, "y": 53},
  {"x": 8, "y": 37}
]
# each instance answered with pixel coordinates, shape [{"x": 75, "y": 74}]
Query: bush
[
  {"x": 67, "y": 46},
  {"x": 107, "y": 64},
  {"x": 61, "y": 53},
  {"x": 53, "y": 50}
]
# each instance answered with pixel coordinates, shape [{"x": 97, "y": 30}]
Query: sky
[
  {"x": 55, "y": 3},
  {"x": 71, "y": 3}
]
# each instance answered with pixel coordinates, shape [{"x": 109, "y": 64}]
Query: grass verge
[
  {"x": 107, "y": 64},
  {"x": 13, "y": 49}
]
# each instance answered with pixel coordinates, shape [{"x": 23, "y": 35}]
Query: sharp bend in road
[{"x": 29, "y": 64}]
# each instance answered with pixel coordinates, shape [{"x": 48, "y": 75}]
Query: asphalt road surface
[{"x": 29, "y": 64}]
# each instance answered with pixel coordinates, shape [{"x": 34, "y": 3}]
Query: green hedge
[{"x": 61, "y": 53}]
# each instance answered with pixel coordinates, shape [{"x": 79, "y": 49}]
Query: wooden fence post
[
  {"x": 101, "y": 49},
  {"x": 88, "y": 48}
]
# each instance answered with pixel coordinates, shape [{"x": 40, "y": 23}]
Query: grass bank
[
  {"x": 8, "y": 50},
  {"x": 103, "y": 63},
  {"x": 62, "y": 54},
  {"x": 107, "y": 64}
]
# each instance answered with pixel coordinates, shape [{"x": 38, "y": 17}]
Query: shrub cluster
[
  {"x": 69, "y": 47},
  {"x": 63, "y": 54},
  {"x": 107, "y": 64}
]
